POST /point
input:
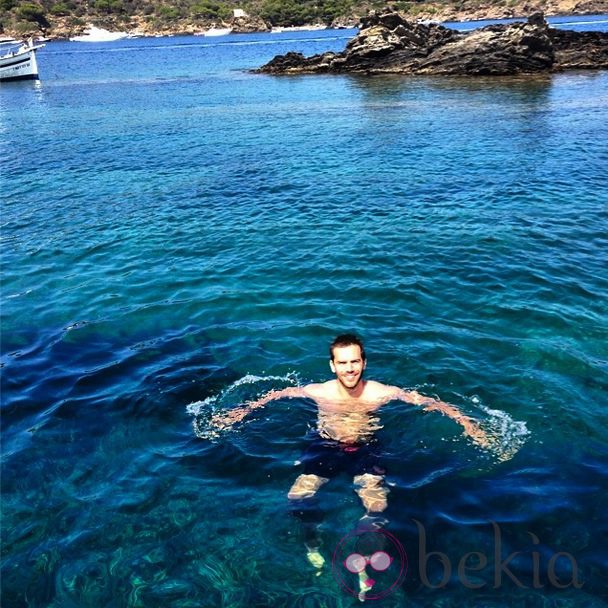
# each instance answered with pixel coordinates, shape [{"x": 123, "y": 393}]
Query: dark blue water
[{"x": 180, "y": 235}]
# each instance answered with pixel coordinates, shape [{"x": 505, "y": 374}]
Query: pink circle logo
[{"x": 370, "y": 564}]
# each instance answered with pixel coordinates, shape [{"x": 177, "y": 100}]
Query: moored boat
[
  {"x": 98, "y": 34},
  {"x": 18, "y": 59},
  {"x": 217, "y": 31}
]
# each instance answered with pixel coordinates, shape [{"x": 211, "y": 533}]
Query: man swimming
[
  {"x": 346, "y": 424},
  {"x": 344, "y": 440}
]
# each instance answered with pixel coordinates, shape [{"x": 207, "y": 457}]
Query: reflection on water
[{"x": 398, "y": 87}]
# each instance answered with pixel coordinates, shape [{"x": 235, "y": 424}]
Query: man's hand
[
  {"x": 475, "y": 432},
  {"x": 224, "y": 420}
]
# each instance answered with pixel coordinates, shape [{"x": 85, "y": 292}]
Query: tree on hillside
[{"x": 32, "y": 13}]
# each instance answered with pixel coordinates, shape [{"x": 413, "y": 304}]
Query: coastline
[{"x": 66, "y": 27}]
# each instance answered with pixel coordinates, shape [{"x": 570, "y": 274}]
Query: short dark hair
[{"x": 346, "y": 340}]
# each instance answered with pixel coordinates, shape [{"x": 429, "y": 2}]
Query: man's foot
[
  {"x": 365, "y": 585},
  {"x": 316, "y": 559}
]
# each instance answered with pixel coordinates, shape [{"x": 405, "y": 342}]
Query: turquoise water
[{"x": 180, "y": 235}]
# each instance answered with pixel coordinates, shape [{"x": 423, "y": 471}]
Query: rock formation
[
  {"x": 247, "y": 24},
  {"x": 388, "y": 43}
]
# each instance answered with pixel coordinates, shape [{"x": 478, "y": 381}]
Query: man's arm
[
  {"x": 470, "y": 426},
  {"x": 224, "y": 420}
]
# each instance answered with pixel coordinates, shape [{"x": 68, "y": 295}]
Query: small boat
[
  {"x": 299, "y": 28},
  {"x": 217, "y": 31},
  {"x": 98, "y": 34},
  {"x": 18, "y": 59}
]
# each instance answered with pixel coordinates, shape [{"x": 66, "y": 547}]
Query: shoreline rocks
[
  {"x": 388, "y": 43},
  {"x": 67, "y": 24},
  {"x": 248, "y": 25},
  {"x": 477, "y": 10}
]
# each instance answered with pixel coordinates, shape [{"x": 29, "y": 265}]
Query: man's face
[{"x": 348, "y": 365}]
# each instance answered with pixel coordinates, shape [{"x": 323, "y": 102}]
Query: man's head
[
  {"x": 347, "y": 360},
  {"x": 346, "y": 340}
]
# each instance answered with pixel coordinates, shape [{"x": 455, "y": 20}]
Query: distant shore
[{"x": 67, "y": 26}]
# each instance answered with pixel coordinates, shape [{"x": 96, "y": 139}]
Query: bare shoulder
[
  {"x": 378, "y": 391},
  {"x": 320, "y": 390}
]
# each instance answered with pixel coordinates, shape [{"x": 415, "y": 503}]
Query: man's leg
[
  {"x": 305, "y": 509},
  {"x": 306, "y": 486},
  {"x": 372, "y": 492}
]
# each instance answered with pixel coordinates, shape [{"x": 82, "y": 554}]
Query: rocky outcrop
[
  {"x": 388, "y": 43},
  {"x": 579, "y": 50},
  {"x": 248, "y": 24},
  {"x": 473, "y": 10}
]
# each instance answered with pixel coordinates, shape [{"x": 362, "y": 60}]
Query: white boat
[
  {"x": 217, "y": 31},
  {"x": 299, "y": 28},
  {"x": 18, "y": 59},
  {"x": 98, "y": 34}
]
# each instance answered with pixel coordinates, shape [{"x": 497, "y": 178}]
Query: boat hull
[
  {"x": 218, "y": 31},
  {"x": 19, "y": 66}
]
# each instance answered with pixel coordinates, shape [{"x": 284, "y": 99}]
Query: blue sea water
[{"x": 180, "y": 235}]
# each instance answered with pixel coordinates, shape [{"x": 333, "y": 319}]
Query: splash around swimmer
[{"x": 347, "y": 407}]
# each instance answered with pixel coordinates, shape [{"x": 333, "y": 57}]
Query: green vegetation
[
  {"x": 39, "y": 15},
  {"x": 36, "y": 16},
  {"x": 210, "y": 9},
  {"x": 301, "y": 12},
  {"x": 30, "y": 16}
]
